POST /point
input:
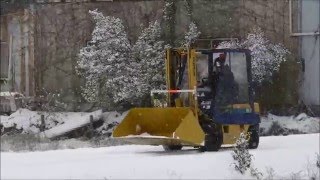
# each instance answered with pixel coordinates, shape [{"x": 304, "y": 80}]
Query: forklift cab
[{"x": 224, "y": 86}]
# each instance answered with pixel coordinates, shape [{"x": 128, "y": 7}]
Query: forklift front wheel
[
  {"x": 172, "y": 147},
  {"x": 212, "y": 142}
]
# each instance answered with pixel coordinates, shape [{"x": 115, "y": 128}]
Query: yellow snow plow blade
[{"x": 160, "y": 126}]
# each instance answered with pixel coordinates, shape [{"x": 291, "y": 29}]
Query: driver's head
[
  {"x": 219, "y": 62},
  {"x": 222, "y": 57}
]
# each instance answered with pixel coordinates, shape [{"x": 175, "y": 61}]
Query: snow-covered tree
[
  {"x": 167, "y": 10},
  {"x": 242, "y": 157},
  {"x": 90, "y": 90},
  {"x": 266, "y": 56},
  {"x": 233, "y": 44},
  {"x": 241, "y": 154},
  {"x": 115, "y": 71},
  {"x": 104, "y": 61},
  {"x": 149, "y": 54},
  {"x": 192, "y": 34}
]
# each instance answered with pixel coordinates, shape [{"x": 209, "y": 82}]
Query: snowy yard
[
  {"x": 289, "y": 156},
  {"x": 98, "y": 59}
]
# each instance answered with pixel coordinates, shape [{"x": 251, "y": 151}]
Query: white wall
[{"x": 310, "y": 49}]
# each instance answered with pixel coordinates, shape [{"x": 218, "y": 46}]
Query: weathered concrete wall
[
  {"x": 273, "y": 18},
  {"x": 215, "y": 19},
  {"x": 234, "y": 19},
  {"x": 61, "y": 29},
  {"x": 17, "y": 36}
]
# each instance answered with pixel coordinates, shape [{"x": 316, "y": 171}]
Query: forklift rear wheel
[
  {"x": 254, "y": 137},
  {"x": 214, "y": 137}
]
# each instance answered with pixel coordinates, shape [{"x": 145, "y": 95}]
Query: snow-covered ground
[{"x": 289, "y": 156}]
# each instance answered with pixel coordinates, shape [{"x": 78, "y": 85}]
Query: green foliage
[{"x": 281, "y": 92}]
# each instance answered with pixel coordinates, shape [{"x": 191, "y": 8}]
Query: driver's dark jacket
[{"x": 226, "y": 88}]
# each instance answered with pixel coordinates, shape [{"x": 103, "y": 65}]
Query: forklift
[{"x": 208, "y": 103}]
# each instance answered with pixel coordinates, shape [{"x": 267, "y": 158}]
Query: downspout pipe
[{"x": 290, "y": 25}]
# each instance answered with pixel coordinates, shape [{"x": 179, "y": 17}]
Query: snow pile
[
  {"x": 13, "y": 94},
  {"x": 4, "y": 118},
  {"x": 289, "y": 124},
  {"x": 147, "y": 135},
  {"x": 29, "y": 122},
  {"x": 111, "y": 120},
  {"x": 73, "y": 122}
]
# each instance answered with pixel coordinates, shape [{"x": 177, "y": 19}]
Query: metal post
[
  {"x": 91, "y": 126},
  {"x": 42, "y": 125}
]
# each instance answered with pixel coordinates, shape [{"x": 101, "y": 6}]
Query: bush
[
  {"x": 279, "y": 95},
  {"x": 242, "y": 157},
  {"x": 276, "y": 129}
]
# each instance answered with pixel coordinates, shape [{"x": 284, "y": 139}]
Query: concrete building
[
  {"x": 17, "y": 52},
  {"x": 308, "y": 33}
]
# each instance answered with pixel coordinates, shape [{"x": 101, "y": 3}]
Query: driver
[
  {"x": 217, "y": 68},
  {"x": 219, "y": 62},
  {"x": 225, "y": 86}
]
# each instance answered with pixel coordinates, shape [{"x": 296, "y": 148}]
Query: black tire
[
  {"x": 213, "y": 138},
  {"x": 212, "y": 143},
  {"x": 254, "y": 137},
  {"x": 172, "y": 147}
]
